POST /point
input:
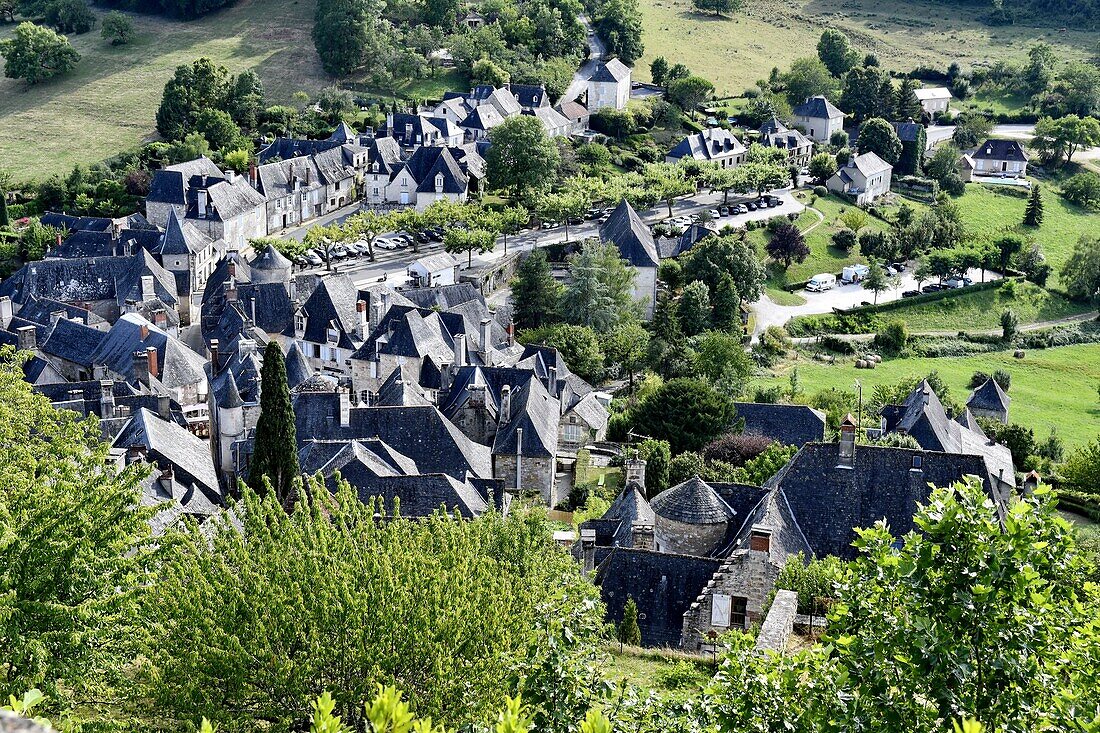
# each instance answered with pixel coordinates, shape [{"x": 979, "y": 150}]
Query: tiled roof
[
  {"x": 787, "y": 424},
  {"x": 167, "y": 442},
  {"x": 818, "y": 108},
  {"x": 994, "y": 149},
  {"x": 710, "y": 144},
  {"x": 611, "y": 70},
  {"x": 989, "y": 396}
]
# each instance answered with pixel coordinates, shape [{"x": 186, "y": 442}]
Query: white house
[
  {"x": 818, "y": 118},
  {"x": 866, "y": 177},
  {"x": 627, "y": 231},
  {"x": 431, "y": 174},
  {"x": 713, "y": 145},
  {"x": 434, "y": 270},
  {"x": 933, "y": 100},
  {"x": 609, "y": 86},
  {"x": 1002, "y": 158}
]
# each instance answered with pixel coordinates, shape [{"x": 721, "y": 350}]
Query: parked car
[
  {"x": 313, "y": 258},
  {"x": 742, "y": 209},
  {"x": 724, "y": 210},
  {"x": 751, "y": 205},
  {"x": 933, "y": 288},
  {"x": 957, "y": 282},
  {"x": 714, "y": 213},
  {"x": 899, "y": 266},
  {"x": 910, "y": 293}
]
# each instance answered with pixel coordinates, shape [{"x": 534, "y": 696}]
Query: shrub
[
  {"x": 820, "y": 191},
  {"x": 977, "y": 379},
  {"x": 893, "y": 337},
  {"x": 1003, "y": 378},
  {"x": 768, "y": 395},
  {"x": 836, "y": 345},
  {"x": 845, "y": 239},
  {"x": 735, "y": 449},
  {"x": 681, "y": 676}
]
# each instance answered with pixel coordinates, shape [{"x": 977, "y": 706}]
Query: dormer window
[
  {"x": 374, "y": 166},
  {"x": 332, "y": 335},
  {"x": 299, "y": 322},
  {"x": 439, "y": 183}
]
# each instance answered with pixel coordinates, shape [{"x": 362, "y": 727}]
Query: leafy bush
[
  {"x": 894, "y": 337},
  {"x": 837, "y": 345},
  {"x": 820, "y": 191},
  {"x": 682, "y": 675},
  {"x": 735, "y": 448},
  {"x": 813, "y": 580}
]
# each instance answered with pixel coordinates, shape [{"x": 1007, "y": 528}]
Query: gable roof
[
  {"x": 612, "y": 70},
  {"x": 169, "y": 443},
  {"x": 427, "y": 162},
  {"x": 818, "y": 107},
  {"x": 787, "y": 424},
  {"x": 331, "y": 302},
  {"x": 995, "y": 149},
  {"x": 710, "y": 144},
  {"x": 625, "y": 229},
  {"x": 177, "y": 365},
  {"x": 927, "y": 93},
  {"x": 535, "y": 413}
]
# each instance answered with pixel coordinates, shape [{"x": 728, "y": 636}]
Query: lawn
[
  {"x": 987, "y": 212},
  {"x": 735, "y": 52},
  {"x": 1002, "y": 102},
  {"x": 1050, "y": 388},
  {"x": 663, "y": 671},
  {"x": 108, "y": 103}
]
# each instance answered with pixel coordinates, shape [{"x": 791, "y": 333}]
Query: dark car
[
  {"x": 899, "y": 266},
  {"x": 933, "y": 288},
  {"x": 910, "y": 293}
]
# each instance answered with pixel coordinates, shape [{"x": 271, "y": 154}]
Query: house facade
[
  {"x": 609, "y": 86},
  {"x": 626, "y": 230},
  {"x": 865, "y": 178},
  {"x": 774, "y": 134},
  {"x": 933, "y": 100},
  {"x": 818, "y": 118},
  {"x": 1000, "y": 158},
  {"x": 713, "y": 145}
]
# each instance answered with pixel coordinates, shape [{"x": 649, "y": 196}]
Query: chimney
[
  {"x": 28, "y": 339},
  {"x": 253, "y": 174},
  {"x": 166, "y": 479},
  {"x": 231, "y": 290},
  {"x": 246, "y": 347},
  {"x": 164, "y": 407},
  {"x": 846, "y": 456},
  {"x": 505, "y": 404},
  {"x": 376, "y": 313},
  {"x": 56, "y": 316},
  {"x": 445, "y": 376},
  {"x": 204, "y": 203},
  {"x": 460, "y": 350},
  {"x": 552, "y": 382},
  {"x": 361, "y": 314},
  {"x": 141, "y": 367},
  {"x": 252, "y": 308},
  {"x": 760, "y": 539},
  {"x": 106, "y": 399},
  {"x": 214, "y": 355},
  {"x": 635, "y": 472},
  {"x": 519, "y": 457},
  {"x": 641, "y": 536},
  {"x": 6, "y": 312},
  {"x": 511, "y": 333},
  {"x": 144, "y": 331},
  {"x": 588, "y": 549},
  {"x": 232, "y": 268},
  {"x": 154, "y": 370},
  {"x": 160, "y": 319},
  {"x": 345, "y": 407},
  {"x": 486, "y": 338}
]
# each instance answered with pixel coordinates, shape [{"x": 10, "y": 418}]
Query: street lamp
[{"x": 859, "y": 409}]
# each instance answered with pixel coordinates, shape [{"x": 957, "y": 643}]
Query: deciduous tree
[
  {"x": 836, "y": 52},
  {"x": 36, "y": 54},
  {"x": 787, "y": 245},
  {"x": 879, "y": 137},
  {"x": 521, "y": 158}
]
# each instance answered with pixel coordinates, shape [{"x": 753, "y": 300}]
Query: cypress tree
[
  {"x": 906, "y": 105},
  {"x": 275, "y": 449},
  {"x": 629, "y": 633},
  {"x": 726, "y": 302},
  {"x": 1033, "y": 214}
]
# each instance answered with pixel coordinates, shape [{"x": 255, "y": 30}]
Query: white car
[{"x": 714, "y": 214}]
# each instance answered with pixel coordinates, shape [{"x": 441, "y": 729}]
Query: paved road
[
  {"x": 596, "y": 52},
  {"x": 770, "y": 313}
]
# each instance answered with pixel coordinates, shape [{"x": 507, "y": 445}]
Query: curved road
[{"x": 596, "y": 51}]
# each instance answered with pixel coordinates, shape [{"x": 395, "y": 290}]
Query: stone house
[
  {"x": 303, "y": 188},
  {"x": 818, "y": 118},
  {"x": 609, "y": 86},
  {"x": 431, "y": 174},
  {"x": 383, "y": 161},
  {"x": 990, "y": 400},
  {"x": 436, "y": 269},
  {"x": 865, "y": 178},
  {"x": 713, "y": 145},
  {"x": 1002, "y": 158},
  {"x": 774, "y": 134},
  {"x": 415, "y": 130},
  {"x": 330, "y": 325},
  {"x": 626, "y": 230},
  {"x": 933, "y": 100},
  {"x": 786, "y": 424}
]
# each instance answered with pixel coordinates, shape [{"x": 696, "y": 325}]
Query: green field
[
  {"x": 1050, "y": 388},
  {"x": 987, "y": 212},
  {"x": 734, "y": 53}
]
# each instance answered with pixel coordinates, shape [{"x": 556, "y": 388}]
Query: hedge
[{"x": 922, "y": 298}]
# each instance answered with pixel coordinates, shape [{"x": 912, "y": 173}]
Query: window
[
  {"x": 918, "y": 461},
  {"x": 299, "y": 322},
  {"x": 574, "y": 433}
]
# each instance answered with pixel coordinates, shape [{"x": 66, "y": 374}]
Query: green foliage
[
  {"x": 813, "y": 579},
  {"x": 822, "y": 167},
  {"x": 688, "y": 413},
  {"x": 1056, "y": 140},
  {"x": 629, "y": 633},
  {"x": 761, "y": 468},
  {"x": 345, "y": 34},
  {"x": 200, "y": 89},
  {"x": 579, "y": 346},
  {"x": 787, "y": 245},
  {"x": 457, "y": 241},
  {"x": 1081, "y": 471},
  {"x": 1082, "y": 189},
  {"x": 893, "y": 337},
  {"x": 600, "y": 291},
  {"x": 714, "y": 257},
  {"x": 657, "y": 456},
  {"x": 35, "y": 54},
  {"x": 867, "y": 94},
  {"x": 694, "y": 308},
  {"x": 535, "y": 293},
  {"x": 690, "y": 92},
  {"x": 521, "y": 159},
  {"x": 727, "y": 7},
  {"x": 878, "y": 136},
  {"x": 117, "y": 28},
  {"x": 70, "y": 16},
  {"x": 1009, "y": 323},
  {"x": 484, "y": 71},
  {"x": 836, "y": 52},
  {"x": 274, "y": 463},
  {"x": 1033, "y": 214},
  {"x": 808, "y": 78},
  {"x": 1081, "y": 272},
  {"x": 619, "y": 23},
  {"x": 721, "y": 358}
]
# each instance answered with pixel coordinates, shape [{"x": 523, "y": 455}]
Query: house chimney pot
[
  {"x": 154, "y": 369},
  {"x": 505, "y": 404},
  {"x": 6, "y": 312},
  {"x": 214, "y": 354},
  {"x": 460, "y": 350},
  {"x": 641, "y": 536},
  {"x": 28, "y": 338},
  {"x": 363, "y": 328},
  {"x": 141, "y": 367},
  {"x": 635, "y": 472},
  {"x": 345, "y": 407},
  {"x": 552, "y": 382},
  {"x": 760, "y": 539},
  {"x": 106, "y": 399}
]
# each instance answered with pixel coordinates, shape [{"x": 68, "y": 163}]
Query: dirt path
[{"x": 858, "y": 337}]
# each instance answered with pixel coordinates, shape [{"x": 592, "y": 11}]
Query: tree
[
  {"x": 718, "y": 6},
  {"x": 971, "y": 129},
  {"x": 579, "y": 345},
  {"x": 822, "y": 167},
  {"x": 713, "y": 257},
  {"x": 36, "y": 54},
  {"x": 721, "y": 358},
  {"x": 1081, "y": 273},
  {"x": 906, "y": 105},
  {"x": 1007, "y": 246},
  {"x": 879, "y": 137},
  {"x": 688, "y": 413},
  {"x": 1039, "y": 72},
  {"x": 912, "y": 153},
  {"x": 620, "y": 26},
  {"x": 694, "y": 308},
  {"x": 535, "y": 293},
  {"x": 1081, "y": 471},
  {"x": 117, "y": 28},
  {"x": 469, "y": 241},
  {"x": 193, "y": 88},
  {"x": 484, "y": 71},
  {"x": 688, "y": 93},
  {"x": 836, "y": 53},
  {"x": 521, "y": 158},
  {"x": 601, "y": 287},
  {"x": 1009, "y": 323},
  {"x": 668, "y": 181},
  {"x": 338, "y": 596},
  {"x": 855, "y": 218},
  {"x": 1033, "y": 214},
  {"x": 1082, "y": 189},
  {"x": 346, "y": 34},
  {"x": 868, "y": 93},
  {"x": 274, "y": 463},
  {"x": 70, "y": 16},
  {"x": 808, "y": 78},
  {"x": 726, "y": 306},
  {"x": 1056, "y": 140},
  {"x": 658, "y": 70},
  {"x": 441, "y": 13},
  {"x": 74, "y": 550},
  {"x": 219, "y": 129},
  {"x": 876, "y": 280},
  {"x": 657, "y": 457},
  {"x": 562, "y": 207},
  {"x": 629, "y": 633},
  {"x": 626, "y": 347},
  {"x": 787, "y": 245}
]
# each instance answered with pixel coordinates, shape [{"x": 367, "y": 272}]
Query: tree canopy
[{"x": 36, "y": 54}]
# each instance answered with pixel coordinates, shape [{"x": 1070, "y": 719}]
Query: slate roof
[
  {"x": 470, "y": 159},
  {"x": 482, "y": 117},
  {"x": 386, "y": 152},
  {"x": 674, "y": 247},
  {"x": 74, "y": 342},
  {"x": 270, "y": 266},
  {"x": 994, "y": 149},
  {"x": 710, "y": 144},
  {"x": 772, "y": 125},
  {"x": 534, "y": 412},
  {"x": 182, "y": 237},
  {"x": 420, "y": 432},
  {"x": 530, "y": 95},
  {"x": 967, "y": 420},
  {"x": 662, "y": 585},
  {"x": 42, "y": 310},
  {"x": 828, "y": 500},
  {"x": 399, "y": 391},
  {"x": 629, "y": 508},
  {"x": 168, "y": 443},
  {"x": 787, "y": 424},
  {"x": 178, "y": 366},
  {"x": 426, "y": 126},
  {"x": 443, "y": 297},
  {"x": 625, "y": 228},
  {"x": 817, "y": 107},
  {"x": 612, "y": 70},
  {"x": 908, "y": 131},
  {"x": 552, "y": 120},
  {"x": 86, "y": 280},
  {"x": 285, "y": 148},
  {"x": 989, "y": 396},
  {"x": 298, "y": 369},
  {"x": 785, "y": 139},
  {"x": 692, "y": 502},
  {"x": 869, "y": 164},
  {"x": 170, "y": 185},
  {"x": 332, "y": 301},
  {"x": 428, "y": 161}
]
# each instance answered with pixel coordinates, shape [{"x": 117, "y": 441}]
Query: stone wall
[
  {"x": 778, "y": 626},
  {"x": 536, "y": 475},
  {"x": 746, "y": 575},
  {"x": 688, "y": 539}
]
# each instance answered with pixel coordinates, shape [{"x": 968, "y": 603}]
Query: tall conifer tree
[
  {"x": 275, "y": 449},
  {"x": 1033, "y": 214}
]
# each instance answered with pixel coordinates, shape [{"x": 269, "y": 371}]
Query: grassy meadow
[
  {"x": 735, "y": 52},
  {"x": 1050, "y": 387}
]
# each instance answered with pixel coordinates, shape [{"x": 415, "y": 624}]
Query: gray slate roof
[
  {"x": 994, "y": 149},
  {"x": 611, "y": 70},
  {"x": 692, "y": 502},
  {"x": 625, "y": 229},
  {"x": 817, "y": 107},
  {"x": 710, "y": 144},
  {"x": 787, "y": 424},
  {"x": 989, "y": 396},
  {"x": 168, "y": 443}
]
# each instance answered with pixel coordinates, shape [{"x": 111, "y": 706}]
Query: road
[
  {"x": 596, "y": 52},
  {"x": 770, "y": 313},
  {"x": 390, "y": 265}
]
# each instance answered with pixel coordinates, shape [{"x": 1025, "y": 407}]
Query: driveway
[
  {"x": 769, "y": 313},
  {"x": 596, "y": 52}
]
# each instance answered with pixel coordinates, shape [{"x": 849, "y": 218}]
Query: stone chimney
[
  {"x": 460, "y": 350},
  {"x": 760, "y": 538},
  {"x": 106, "y": 399},
  {"x": 345, "y": 407},
  {"x": 141, "y": 367},
  {"x": 846, "y": 456},
  {"x": 56, "y": 316},
  {"x": 164, "y": 407},
  {"x": 231, "y": 290},
  {"x": 641, "y": 536},
  {"x": 588, "y": 549},
  {"x": 6, "y": 312},
  {"x": 214, "y": 345},
  {"x": 635, "y": 472},
  {"x": 246, "y": 347},
  {"x": 144, "y": 331},
  {"x": 511, "y": 333},
  {"x": 167, "y": 476},
  {"x": 445, "y": 376},
  {"x": 154, "y": 366},
  {"x": 376, "y": 313},
  {"x": 363, "y": 325},
  {"x": 160, "y": 319},
  {"x": 552, "y": 382},
  {"x": 486, "y": 339},
  {"x": 147, "y": 291},
  {"x": 505, "y": 404},
  {"x": 28, "y": 339}
]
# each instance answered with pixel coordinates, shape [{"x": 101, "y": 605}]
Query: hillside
[
  {"x": 108, "y": 103},
  {"x": 734, "y": 53}
]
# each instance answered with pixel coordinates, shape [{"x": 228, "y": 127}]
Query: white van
[
  {"x": 854, "y": 273},
  {"x": 821, "y": 281}
]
